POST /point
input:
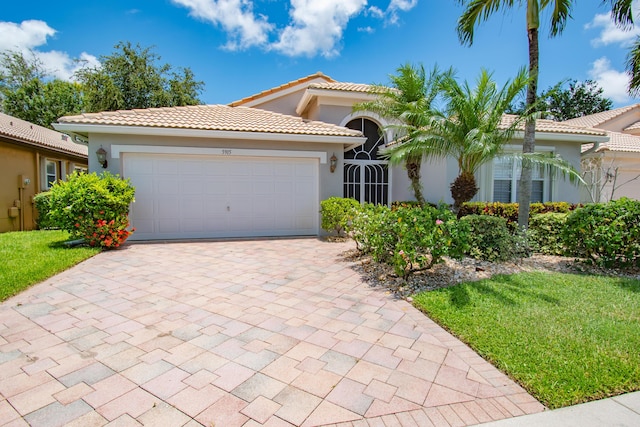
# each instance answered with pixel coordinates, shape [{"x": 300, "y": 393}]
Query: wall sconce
[
  {"x": 334, "y": 163},
  {"x": 102, "y": 157}
]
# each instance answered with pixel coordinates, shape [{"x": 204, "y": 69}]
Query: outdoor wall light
[
  {"x": 334, "y": 163},
  {"x": 102, "y": 157}
]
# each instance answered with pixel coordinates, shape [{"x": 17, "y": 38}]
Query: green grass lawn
[
  {"x": 30, "y": 257},
  {"x": 566, "y": 338}
]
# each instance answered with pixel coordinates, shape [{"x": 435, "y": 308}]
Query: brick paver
[{"x": 277, "y": 332}]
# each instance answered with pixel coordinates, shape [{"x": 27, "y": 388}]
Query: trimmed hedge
[
  {"x": 509, "y": 211},
  {"x": 491, "y": 240},
  {"x": 606, "y": 234},
  {"x": 546, "y": 231},
  {"x": 43, "y": 206}
]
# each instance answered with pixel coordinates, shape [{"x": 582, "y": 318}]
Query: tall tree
[
  {"x": 622, "y": 16},
  {"x": 578, "y": 99},
  {"x": 477, "y": 11},
  {"x": 28, "y": 91},
  {"x": 407, "y": 101},
  {"x": 131, "y": 78}
]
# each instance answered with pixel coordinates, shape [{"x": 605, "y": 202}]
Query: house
[
  {"x": 32, "y": 158},
  {"x": 261, "y": 165},
  {"x": 612, "y": 168}
]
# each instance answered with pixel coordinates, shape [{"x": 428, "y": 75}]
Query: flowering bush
[
  {"x": 93, "y": 207},
  {"x": 108, "y": 234},
  {"x": 409, "y": 238}
]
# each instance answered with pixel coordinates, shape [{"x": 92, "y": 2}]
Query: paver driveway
[{"x": 272, "y": 332}]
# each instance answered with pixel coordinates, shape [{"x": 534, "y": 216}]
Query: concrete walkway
[
  {"x": 246, "y": 333},
  {"x": 619, "y": 411}
]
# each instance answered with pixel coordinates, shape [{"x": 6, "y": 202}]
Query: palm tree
[
  {"x": 471, "y": 127},
  {"x": 622, "y": 16},
  {"x": 408, "y": 101},
  {"x": 477, "y": 11}
]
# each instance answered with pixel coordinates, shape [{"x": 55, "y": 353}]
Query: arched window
[{"x": 366, "y": 177}]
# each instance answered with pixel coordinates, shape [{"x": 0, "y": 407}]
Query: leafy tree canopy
[
  {"x": 568, "y": 100},
  {"x": 28, "y": 91},
  {"x": 132, "y": 78}
]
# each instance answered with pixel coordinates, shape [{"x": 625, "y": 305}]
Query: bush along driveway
[{"x": 277, "y": 332}]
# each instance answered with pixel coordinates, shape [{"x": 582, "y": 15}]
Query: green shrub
[
  {"x": 509, "y": 211},
  {"x": 607, "y": 234},
  {"x": 409, "y": 238},
  {"x": 545, "y": 233},
  {"x": 337, "y": 214},
  {"x": 43, "y": 206},
  {"x": 491, "y": 240},
  {"x": 93, "y": 207}
]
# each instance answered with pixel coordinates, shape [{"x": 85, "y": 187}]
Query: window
[
  {"x": 51, "y": 173},
  {"x": 506, "y": 174}
]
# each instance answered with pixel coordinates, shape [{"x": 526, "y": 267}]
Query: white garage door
[{"x": 186, "y": 196}]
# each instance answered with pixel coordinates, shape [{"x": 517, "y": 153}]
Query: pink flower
[{"x": 439, "y": 222}]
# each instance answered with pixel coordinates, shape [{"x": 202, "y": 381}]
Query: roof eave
[
  {"x": 568, "y": 137},
  {"x": 86, "y": 129},
  {"x": 311, "y": 93},
  {"x": 44, "y": 147}
]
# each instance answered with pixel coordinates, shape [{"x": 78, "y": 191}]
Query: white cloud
[
  {"x": 24, "y": 36},
  {"x": 613, "y": 82},
  {"x": 236, "y": 17},
  {"x": 62, "y": 66},
  {"x": 316, "y": 26},
  {"x": 391, "y": 14},
  {"x": 610, "y": 33},
  {"x": 376, "y": 12},
  {"x": 27, "y": 38}
]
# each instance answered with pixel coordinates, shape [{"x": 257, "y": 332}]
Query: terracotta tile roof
[
  {"x": 281, "y": 88},
  {"x": 342, "y": 86},
  {"x": 21, "y": 130},
  {"x": 634, "y": 126},
  {"x": 621, "y": 142},
  {"x": 544, "y": 125},
  {"x": 212, "y": 117},
  {"x": 595, "y": 120}
]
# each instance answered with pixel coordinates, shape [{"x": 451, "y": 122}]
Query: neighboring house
[
  {"x": 32, "y": 158},
  {"x": 612, "y": 168},
  {"x": 261, "y": 165}
]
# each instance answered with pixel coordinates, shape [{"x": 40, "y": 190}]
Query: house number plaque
[{"x": 226, "y": 152}]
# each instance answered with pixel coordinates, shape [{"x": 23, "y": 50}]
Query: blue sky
[{"x": 241, "y": 47}]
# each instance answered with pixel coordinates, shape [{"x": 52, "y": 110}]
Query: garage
[{"x": 181, "y": 196}]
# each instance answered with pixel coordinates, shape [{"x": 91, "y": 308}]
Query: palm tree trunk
[
  {"x": 413, "y": 172},
  {"x": 529, "y": 143}
]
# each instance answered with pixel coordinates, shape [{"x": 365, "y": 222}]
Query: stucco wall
[
  {"x": 16, "y": 161},
  {"x": 438, "y": 174},
  {"x": 627, "y": 180}
]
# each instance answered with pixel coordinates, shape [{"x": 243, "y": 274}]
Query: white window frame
[
  {"x": 547, "y": 177},
  {"x": 46, "y": 183}
]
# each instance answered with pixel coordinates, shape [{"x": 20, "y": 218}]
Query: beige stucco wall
[
  {"x": 20, "y": 159},
  {"x": 627, "y": 180},
  {"x": 438, "y": 174},
  {"x": 16, "y": 161}
]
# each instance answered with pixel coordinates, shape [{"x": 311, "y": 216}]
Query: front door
[{"x": 366, "y": 178}]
